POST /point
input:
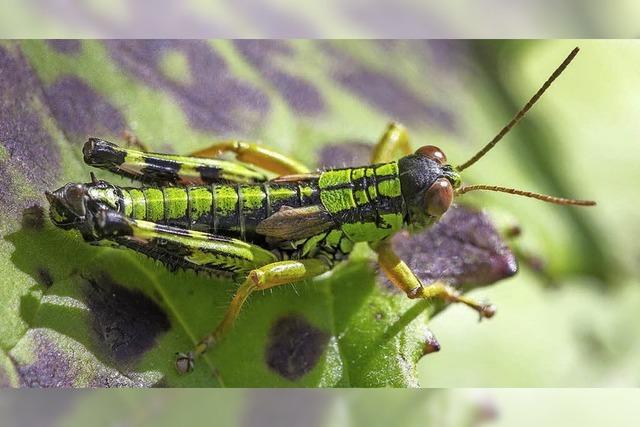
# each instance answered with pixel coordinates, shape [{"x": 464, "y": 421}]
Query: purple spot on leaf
[
  {"x": 298, "y": 92},
  {"x": 81, "y": 111},
  {"x": 213, "y": 99},
  {"x": 126, "y": 322},
  {"x": 70, "y": 47},
  {"x": 463, "y": 248},
  {"x": 55, "y": 367},
  {"x": 27, "y": 149},
  {"x": 52, "y": 367},
  {"x": 33, "y": 218},
  {"x": 294, "y": 347},
  {"x": 387, "y": 93},
  {"x": 394, "y": 98}
]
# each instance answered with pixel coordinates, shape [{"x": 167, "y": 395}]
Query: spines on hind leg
[
  {"x": 179, "y": 248},
  {"x": 162, "y": 169}
]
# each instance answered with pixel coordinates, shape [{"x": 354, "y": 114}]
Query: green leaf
[{"x": 78, "y": 315}]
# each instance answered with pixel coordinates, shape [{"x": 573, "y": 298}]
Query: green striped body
[
  {"x": 365, "y": 204},
  {"x": 226, "y": 217},
  {"x": 366, "y": 201},
  {"x": 232, "y": 210}
]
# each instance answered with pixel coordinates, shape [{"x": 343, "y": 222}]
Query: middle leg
[
  {"x": 395, "y": 138},
  {"x": 268, "y": 276}
]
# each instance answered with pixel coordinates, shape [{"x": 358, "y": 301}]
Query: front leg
[{"x": 404, "y": 279}]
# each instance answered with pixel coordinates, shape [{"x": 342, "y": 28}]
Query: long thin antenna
[
  {"x": 520, "y": 113},
  {"x": 543, "y": 197}
]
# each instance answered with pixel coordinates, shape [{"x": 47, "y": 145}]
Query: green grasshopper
[{"x": 229, "y": 218}]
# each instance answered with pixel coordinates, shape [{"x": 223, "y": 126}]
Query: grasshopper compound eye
[
  {"x": 438, "y": 197},
  {"x": 67, "y": 206},
  {"x": 432, "y": 152}
]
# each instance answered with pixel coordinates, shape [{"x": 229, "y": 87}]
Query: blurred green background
[
  {"x": 581, "y": 140},
  {"x": 323, "y": 408},
  {"x": 299, "y": 96}
]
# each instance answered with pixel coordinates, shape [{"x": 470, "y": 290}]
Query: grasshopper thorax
[{"x": 428, "y": 185}]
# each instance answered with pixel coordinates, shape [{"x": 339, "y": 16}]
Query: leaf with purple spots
[
  {"x": 77, "y": 315},
  {"x": 118, "y": 312}
]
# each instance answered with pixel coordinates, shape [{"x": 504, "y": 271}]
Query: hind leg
[
  {"x": 177, "y": 247},
  {"x": 203, "y": 251},
  {"x": 166, "y": 169}
]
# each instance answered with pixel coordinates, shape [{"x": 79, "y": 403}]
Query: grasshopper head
[
  {"x": 428, "y": 185},
  {"x": 75, "y": 206},
  {"x": 68, "y": 205}
]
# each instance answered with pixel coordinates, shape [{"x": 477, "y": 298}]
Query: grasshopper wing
[{"x": 290, "y": 224}]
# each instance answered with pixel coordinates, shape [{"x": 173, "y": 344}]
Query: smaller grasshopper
[{"x": 210, "y": 215}]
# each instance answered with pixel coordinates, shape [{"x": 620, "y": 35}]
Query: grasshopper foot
[
  {"x": 185, "y": 362},
  {"x": 487, "y": 311}
]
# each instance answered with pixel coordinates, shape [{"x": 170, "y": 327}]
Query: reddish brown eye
[
  {"x": 438, "y": 197},
  {"x": 432, "y": 152}
]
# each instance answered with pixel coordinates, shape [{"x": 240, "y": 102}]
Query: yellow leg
[
  {"x": 395, "y": 138},
  {"x": 247, "y": 152},
  {"x": 403, "y": 278},
  {"x": 255, "y": 154},
  {"x": 274, "y": 274}
]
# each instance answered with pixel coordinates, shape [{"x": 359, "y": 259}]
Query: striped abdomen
[{"x": 225, "y": 209}]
